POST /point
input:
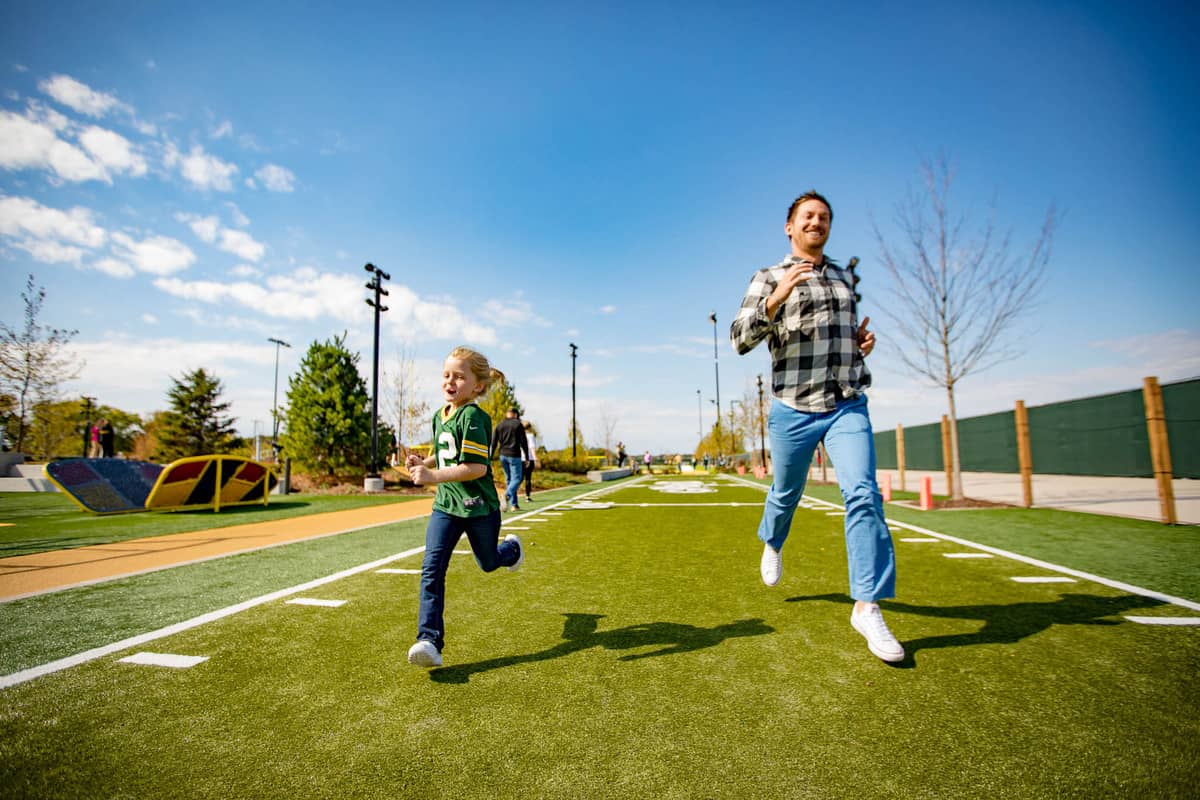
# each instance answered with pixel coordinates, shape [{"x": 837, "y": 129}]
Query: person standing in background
[
  {"x": 533, "y": 462},
  {"x": 510, "y": 442}
]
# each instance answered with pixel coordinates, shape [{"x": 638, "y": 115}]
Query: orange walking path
[{"x": 24, "y": 576}]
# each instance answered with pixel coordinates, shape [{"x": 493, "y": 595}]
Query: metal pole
[
  {"x": 762, "y": 436},
  {"x": 717, "y": 372},
  {"x": 699, "y": 416},
  {"x": 275, "y": 400},
  {"x": 87, "y": 424},
  {"x": 376, "y": 284},
  {"x": 574, "y": 349}
]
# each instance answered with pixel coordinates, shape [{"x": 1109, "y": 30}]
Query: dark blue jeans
[
  {"x": 441, "y": 536},
  {"x": 513, "y": 467}
]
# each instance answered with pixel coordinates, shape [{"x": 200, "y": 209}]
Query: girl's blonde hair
[{"x": 477, "y": 362}]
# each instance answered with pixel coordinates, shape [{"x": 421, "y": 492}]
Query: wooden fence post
[
  {"x": 1160, "y": 448},
  {"x": 1024, "y": 453},
  {"x": 947, "y": 456},
  {"x": 900, "y": 453}
]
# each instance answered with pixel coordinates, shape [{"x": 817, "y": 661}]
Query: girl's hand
[
  {"x": 412, "y": 459},
  {"x": 421, "y": 475}
]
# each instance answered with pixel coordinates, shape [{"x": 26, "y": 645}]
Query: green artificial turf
[
  {"x": 41, "y": 521},
  {"x": 637, "y": 654}
]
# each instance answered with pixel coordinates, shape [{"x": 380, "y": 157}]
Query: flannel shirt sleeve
[{"x": 752, "y": 325}]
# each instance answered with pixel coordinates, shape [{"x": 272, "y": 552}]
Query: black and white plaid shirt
[{"x": 815, "y": 360}]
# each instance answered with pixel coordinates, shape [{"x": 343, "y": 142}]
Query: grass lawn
[{"x": 635, "y": 654}]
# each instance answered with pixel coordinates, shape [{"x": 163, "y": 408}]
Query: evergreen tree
[
  {"x": 196, "y": 424},
  {"x": 328, "y": 412}
]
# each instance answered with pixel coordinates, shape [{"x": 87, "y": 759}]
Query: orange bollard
[
  {"x": 926, "y": 493},
  {"x": 887, "y": 488}
]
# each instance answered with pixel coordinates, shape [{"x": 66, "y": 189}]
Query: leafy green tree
[
  {"x": 197, "y": 423},
  {"x": 32, "y": 363},
  {"x": 328, "y": 412},
  {"x": 499, "y": 398}
]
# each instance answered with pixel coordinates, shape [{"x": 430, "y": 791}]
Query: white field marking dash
[
  {"x": 313, "y": 601},
  {"x": 67, "y": 662},
  {"x": 164, "y": 660},
  {"x": 1044, "y": 579},
  {"x": 514, "y": 528},
  {"x": 553, "y": 513},
  {"x": 967, "y": 555},
  {"x": 920, "y": 539},
  {"x": 1165, "y": 620},
  {"x": 835, "y": 513},
  {"x": 1033, "y": 562},
  {"x": 397, "y": 572},
  {"x": 536, "y": 519},
  {"x": 462, "y": 552}
]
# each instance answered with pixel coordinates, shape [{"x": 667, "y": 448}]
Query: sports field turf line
[
  {"x": 1121, "y": 585},
  {"x": 57, "y": 665}
]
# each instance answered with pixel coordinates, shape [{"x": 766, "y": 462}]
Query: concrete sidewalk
[{"x": 1120, "y": 497}]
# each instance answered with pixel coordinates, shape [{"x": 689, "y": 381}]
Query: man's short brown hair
[{"x": 811, "y": 194}]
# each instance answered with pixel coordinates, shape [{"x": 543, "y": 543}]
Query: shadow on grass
[
  {"x": 1005, "y": 623},
  {"x": 580, "y": 633}
]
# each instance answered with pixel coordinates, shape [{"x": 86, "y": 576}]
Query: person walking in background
[
  {"x": 804, "y": 307},
  {"x": 621, "y": 454},
  {"x": 533, "y": 463},
  {"x": 513, "y": 447},
  {"x": 647, "y": 458},
  {"x": 466, "y": 499},
  {"x": 107, "y": 436},
  {"x": 94, "y": 450}
]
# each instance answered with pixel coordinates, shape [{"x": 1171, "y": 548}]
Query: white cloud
[
  {"x": 158, "y": 255},
  {"x": 114, "y": 268},
  {"x": 239, "y": 219},
  {"x": 112, "y": 151},
  {"x": 223, "y": 131},
  {"x": 202, "y": 170},
  {"x": 23, "y": 217},
  {"x": 245, "y": 271},
  {"x": 608, "y": 309},
  {"x": 50, "y": 252},
  {"x": 34, "y": 144},
  {"x": 205, "y": 228},
  {"x": 276, "y": 178},
  {"x": 241, "y": 244},
  {"x": 80, "y": 96},
  {"x": 512, "y": 313},
  {"x": 149, "y": 319}
]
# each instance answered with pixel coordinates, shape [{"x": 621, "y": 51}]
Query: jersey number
[{"x": 447, "y": 449}]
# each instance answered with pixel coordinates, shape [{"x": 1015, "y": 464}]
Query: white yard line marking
[
  {"x": 22, "y": 676},
  {"x": 313, "y": 601},
  {"x": 1044, "y": 579},
  {"x": 536, "y": 519},
  {"x": 1165, "y": 620},
  {"x": 462, "y": 552},
  {"x": 553, "y": 513},
  {"x": 1087, "y": 576},
  {"x": 835, "y": 513},
  {"x": 164, "y": 660},
  {"x": 967, "y": 555},
  {"x": 397, "y": 572},
  {"x": 513, "y": 528},
  {"x": 920, "y": 539}
]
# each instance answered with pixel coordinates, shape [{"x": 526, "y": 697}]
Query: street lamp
[
  {"x": 717, "y": 373},
  {"x": 574, "y": 350},
  {"x": 87, "y": 423},
  {"x": 275, "y": 402},
  {"x": 762, "y": 437},
  {"x": 373, "y": 481},
  {"x": 699, "y": 416}
]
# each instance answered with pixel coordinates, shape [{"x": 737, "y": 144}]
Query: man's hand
[
  {"x": 795, "y": 275},
  {"x": 866, "y": 338}
]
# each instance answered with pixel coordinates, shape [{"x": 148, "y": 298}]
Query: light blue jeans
[
  {"x": 513, "y": 472},
  {"x": 847, "y": 434}
]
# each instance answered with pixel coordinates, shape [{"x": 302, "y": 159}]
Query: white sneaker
[
  {"x": 512, "y": 537},
  {"x": 771, "y": 566},
  {"x": 880, "y": 640},
  {"x": 504, "y": 503},
  {"x": 424, "y": 654}
]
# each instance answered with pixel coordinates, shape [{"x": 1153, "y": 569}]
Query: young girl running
[{"x": 466, "y": 500}]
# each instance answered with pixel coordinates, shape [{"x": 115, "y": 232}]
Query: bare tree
[
  {"x": 959, "y": 288},
  {"x": 608, "y": 426},
  {"x": 32, "y": 361},
  {"x": 402, "y": 392}
]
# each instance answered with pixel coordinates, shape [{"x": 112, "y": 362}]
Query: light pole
[
  {"x": 373, "y": 481},
  {"x": 717, "y": 373},
  {"x": 87, "y": 423},
  {"x": 699, "y": 416},
  {"x": 275, "y": 402},
  {"x": 574, "y": 350}
]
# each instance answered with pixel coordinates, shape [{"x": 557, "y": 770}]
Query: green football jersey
[{"x": 464, "y": 438}]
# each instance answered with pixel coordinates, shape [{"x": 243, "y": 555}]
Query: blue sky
[{"x": 187, "y": 182}]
